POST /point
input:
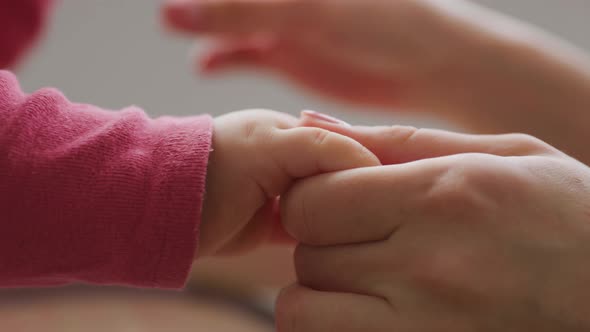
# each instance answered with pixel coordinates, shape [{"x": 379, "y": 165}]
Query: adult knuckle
[
  {"x": 531, "y": 143},
  {"x": 448, "y": 271},
  {"x": 432, "y": 271},
  {"x": 461, "y": 189},
  {"x": 404, "y": 134},
  {"x": 476, "y": 187},
  {"x": 397, "y": 135},
  {"x": 452, "y": 189}
]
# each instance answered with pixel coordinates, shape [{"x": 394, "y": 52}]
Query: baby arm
[{"x": 95, "y": 196}]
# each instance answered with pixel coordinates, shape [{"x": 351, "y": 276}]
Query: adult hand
[
  {"x": 483, "y": 70},
  {"x": 470, "y": 233}
]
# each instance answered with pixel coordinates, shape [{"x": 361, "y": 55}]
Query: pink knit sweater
[{"x": 90, "y": 195}]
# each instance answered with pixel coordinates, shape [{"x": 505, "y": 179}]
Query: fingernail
[{"x": 324, "y": 118}]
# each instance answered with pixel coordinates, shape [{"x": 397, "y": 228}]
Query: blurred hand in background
[{"x": 481, "y": 69}]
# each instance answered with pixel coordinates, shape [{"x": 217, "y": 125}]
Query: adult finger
[
  {"x": 360, "y": 205},
  {"x": 311, "y": 66},
  {"x": 235, "y": 17},
  {"x": 356, "y": 268},
  {"x": 238, "y": 54},
  {"x": 301, "y": 309},
  {"x": 399, "y": 144}
]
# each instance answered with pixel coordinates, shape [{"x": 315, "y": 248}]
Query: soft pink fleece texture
[{"x": 89, "y": 195}]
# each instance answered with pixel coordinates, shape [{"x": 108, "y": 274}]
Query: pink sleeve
[
  {"x": 89, "y": 195},
  {"x": 21, "y": 23}
]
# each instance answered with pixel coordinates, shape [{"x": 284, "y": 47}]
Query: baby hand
[{"x": 256, "y": 156}]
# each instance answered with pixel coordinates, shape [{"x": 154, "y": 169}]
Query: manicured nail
[{"x": 324, "y": 118}]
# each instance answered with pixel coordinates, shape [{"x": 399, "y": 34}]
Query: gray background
[{"x": 113, "y": 53}]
